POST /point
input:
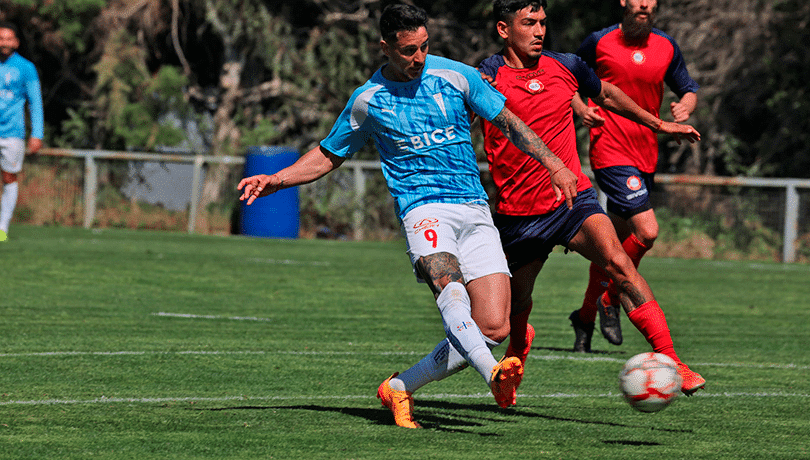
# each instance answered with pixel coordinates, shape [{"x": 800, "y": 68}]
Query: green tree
[
  {"x": 130, "y": 101},
  {"x": 766, "y": 108}
]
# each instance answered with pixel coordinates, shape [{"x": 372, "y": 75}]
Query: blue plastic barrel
[{"x": 276, "y": 215}]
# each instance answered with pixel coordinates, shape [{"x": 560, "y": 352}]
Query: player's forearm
[
  {"x": 310, "y": 167},
  {"x": 614, "y": 99},
  {"x": 578, "y": 105},
  {"x": 527, "y": 140},
  {"x": 689, "y": 102}
]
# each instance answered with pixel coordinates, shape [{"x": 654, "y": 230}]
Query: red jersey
[
  {"x": 640, "y": 70},
  {"x": 541, "y": 97}
]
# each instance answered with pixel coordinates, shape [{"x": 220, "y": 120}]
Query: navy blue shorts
[
  {"x": 627, "y": 189},
  {"x": 528, "y": 238}
]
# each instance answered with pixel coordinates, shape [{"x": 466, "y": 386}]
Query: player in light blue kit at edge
[
  {"x": 19, "y": 83},
  {"x": 416, "y": 110}
]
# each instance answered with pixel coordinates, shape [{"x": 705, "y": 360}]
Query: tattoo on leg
[
  {"x": 631, "y": 298},
  {"x": 439, "y": 269}
]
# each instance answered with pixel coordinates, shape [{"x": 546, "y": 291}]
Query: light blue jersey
[
  {"x": 19, "y": 83},
  {"x": 421, "y": 129}
]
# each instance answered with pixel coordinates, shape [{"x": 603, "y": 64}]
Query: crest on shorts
[
  {"x": 638, "y": 57},
  {"x": 425, "y": 223},
  {"x": 534, "y": 86},
  {"x": 634, "y": 183}
]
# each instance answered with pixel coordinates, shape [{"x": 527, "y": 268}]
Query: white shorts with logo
[
  {"x": 464, "y": 230},
  {"x": 12, "y": 152}
]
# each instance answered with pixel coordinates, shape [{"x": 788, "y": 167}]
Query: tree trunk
[{"x": 226, "y": 135}]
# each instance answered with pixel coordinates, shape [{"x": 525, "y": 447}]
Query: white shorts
[
  {"x": 12, "y": 152},
  {"x": 464, "y": 230}
]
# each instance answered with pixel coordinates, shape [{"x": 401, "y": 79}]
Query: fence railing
[{"x": 360, "y": 168}]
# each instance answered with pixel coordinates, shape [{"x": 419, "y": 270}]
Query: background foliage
[{"x": 222, "y": 74}]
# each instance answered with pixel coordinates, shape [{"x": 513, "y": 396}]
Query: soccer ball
[{"x": 650, "y": 381}]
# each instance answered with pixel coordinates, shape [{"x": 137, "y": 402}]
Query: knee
[
  {"x": 647, "y": 234},
  {"x": 494, "y": 325},
  {"x": 497, "y": 333},
  {"x": 619, "y": 266}
]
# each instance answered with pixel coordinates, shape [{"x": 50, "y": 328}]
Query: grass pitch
[{"x": 139, "y": 345}]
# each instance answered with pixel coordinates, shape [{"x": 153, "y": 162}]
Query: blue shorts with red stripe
[
  {"x": 627, "y": 189},
  {"x": 529, "y": 238}
]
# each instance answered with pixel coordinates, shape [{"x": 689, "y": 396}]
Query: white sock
[
  {"x": 461, "y": 330},
  {"x": 7, "y": 204},
  {"x": 442, "y": 362}
]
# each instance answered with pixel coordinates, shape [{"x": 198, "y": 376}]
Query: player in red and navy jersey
[
  {"x": 539, "y": 87},
  {"x": 639, "y": 59}
]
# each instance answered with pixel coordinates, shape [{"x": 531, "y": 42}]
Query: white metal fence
[{"x": 790, "y": 189}]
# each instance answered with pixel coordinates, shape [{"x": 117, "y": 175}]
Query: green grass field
[{"x": 141, "y": 345}]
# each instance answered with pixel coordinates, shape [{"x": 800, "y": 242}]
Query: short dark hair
[
  {"x": 398, "y": 17},
  {"x": 11, "y": 26},
  {"x": 503, "y": 10}
]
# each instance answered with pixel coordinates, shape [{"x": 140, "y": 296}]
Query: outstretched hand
[
  {"x": 564, "y": 183},
  {"x": 258, "y": 186},
  {"x": 679, "y": 131}
]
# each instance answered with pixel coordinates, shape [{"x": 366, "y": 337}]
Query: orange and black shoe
[
  {"x": 506, "y": 377},
  {"x": 400, "y": 403},
  {"x": 692, "y": 381}
]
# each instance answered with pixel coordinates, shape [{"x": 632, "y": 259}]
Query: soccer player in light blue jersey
[
  {"x": 416, "y": 110},
  {"x": 19, "y": 83}
]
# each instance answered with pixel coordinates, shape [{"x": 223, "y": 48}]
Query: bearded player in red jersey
[
  {"x": 539, "y": 87},
  {"x": 638, "y": 59}
]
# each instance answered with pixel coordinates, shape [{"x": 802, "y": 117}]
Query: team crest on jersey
[
  {"x": 534, "y": 86},
  {"x": 638, "y": 57},
  {"x": 634, "y": 183}
]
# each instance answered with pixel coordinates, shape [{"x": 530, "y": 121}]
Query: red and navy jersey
[
  {"x": 541, "y": 97},
  {"x": 640, "y": 70}
]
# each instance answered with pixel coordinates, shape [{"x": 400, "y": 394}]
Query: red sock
[
  {"x": 597, "y": 284},
  {"x": 517, "y": 323},
  {"x": 650, "y": 320},
  {"x": 634, "y": 248}
]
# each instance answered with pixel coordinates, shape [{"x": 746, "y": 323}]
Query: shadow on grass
[
  {"x": 632, "y": 443},
  {"x": 448, "y": 421},
  {"x": 382, "y": 416},
  {"x": 592, "y": 352}
]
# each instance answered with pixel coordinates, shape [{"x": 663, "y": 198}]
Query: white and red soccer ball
[{"x": 650, "y": 381}]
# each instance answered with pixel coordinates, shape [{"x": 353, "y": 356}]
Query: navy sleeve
[
  {"x": 677, "y": 77},
  {"x": 490, "y": 65},
  {"x": 589, "y": 85},
  {"x": 587, "y": 50}
]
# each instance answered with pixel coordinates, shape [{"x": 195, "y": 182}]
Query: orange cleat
[
  {"x": 692, "y": 381},
  {"x": 521, "y": 355},
  {"x": 506, "y": 377},
  {"x": 400, "y": 403}
]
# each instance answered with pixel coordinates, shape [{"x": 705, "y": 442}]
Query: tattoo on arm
[
  {"x": 439, "y": 269},
  {"x": 524, "y": 138}
]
